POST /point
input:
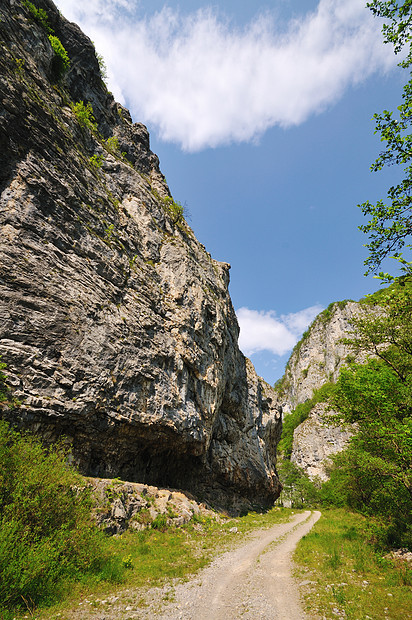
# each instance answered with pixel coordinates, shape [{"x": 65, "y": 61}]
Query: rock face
[
  {"x": 319, "y": 355},
  {"x": 115, "y": 323},
  {"x": 316, "y": 360},
  {"x": 120, "y": 506},
  {"x": 314, "y": 441}
]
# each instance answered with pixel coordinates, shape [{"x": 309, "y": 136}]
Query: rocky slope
[
  {"x": 120, "y": 506},
  {"x": 115, "y": 323}
]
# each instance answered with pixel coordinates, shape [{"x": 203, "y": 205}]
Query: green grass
[
  {"x": 347, "y": 575},
  {"x": 52, "y": 558}
]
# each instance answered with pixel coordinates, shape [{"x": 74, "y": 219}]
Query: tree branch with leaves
[{"x": 390, "y": 222}]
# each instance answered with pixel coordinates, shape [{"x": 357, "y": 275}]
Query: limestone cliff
[
  {"x": 115, "y": 323},
  {"x": 319, "y": 355},
  {"x": 316, "y": 440},
  {"x": 316, "y": 360}
]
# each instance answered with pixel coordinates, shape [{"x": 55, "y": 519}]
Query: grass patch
[{"x": 348, "y": 577}]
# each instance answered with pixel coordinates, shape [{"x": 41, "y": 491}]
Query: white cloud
[
  {"x": 297, "y": 322},
  {"x": 264, "y": 331},
  {"x": 202, "y": 82}
]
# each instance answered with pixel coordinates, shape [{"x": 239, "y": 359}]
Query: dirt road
[{"x": 253, "y": 581}]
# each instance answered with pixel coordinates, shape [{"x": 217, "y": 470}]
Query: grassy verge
[
  {"x": 346, "y": 577},
  {"x": 153, "y": 557}
]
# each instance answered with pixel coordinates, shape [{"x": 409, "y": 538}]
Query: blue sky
[{"x": 260, "y": 113}]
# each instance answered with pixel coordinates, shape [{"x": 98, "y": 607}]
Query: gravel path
[{"x": 254, "y": 581}]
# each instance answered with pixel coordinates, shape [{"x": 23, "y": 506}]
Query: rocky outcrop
[
  {"x": 120, "y": 506},
  {"x": 319, "y": 355},
  {"x": 115, "y": 323},
  {"x": 317, "y": 359},
  {"x": 316, "y": 440}
]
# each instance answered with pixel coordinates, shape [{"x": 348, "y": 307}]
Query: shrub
[
  {"x": 175, "y": 209},
  {"x": 39, "y": 15},
  {"x": 46, "y": 532},
  {"x": 112, "y": 144},
  {"x": 84, "y": 115},
  {"x": 96, "y": 161},
  {"x": 61, "y": 61},
  {"x": 160, "y": 522},
  {"x": 102, "y": 66}
]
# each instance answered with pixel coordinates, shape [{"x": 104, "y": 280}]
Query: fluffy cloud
[
  {"x": 201, "y": 82},
  {"x": 264, "y": 331}
]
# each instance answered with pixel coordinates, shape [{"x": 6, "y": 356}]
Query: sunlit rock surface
[{"x": 115, "y": 323}]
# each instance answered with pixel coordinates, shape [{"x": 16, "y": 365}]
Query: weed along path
[{"x": 253, "y": 581}]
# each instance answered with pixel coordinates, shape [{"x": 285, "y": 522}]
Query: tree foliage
[
  {"x": 385, "y": 330},
  {"x": 390, "y": 222},
  {"x": 298, "y": 490}
]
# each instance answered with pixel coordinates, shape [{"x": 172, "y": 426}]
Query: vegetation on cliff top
[{"x": 323, "y": 318}]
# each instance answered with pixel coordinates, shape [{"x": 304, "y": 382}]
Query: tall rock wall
[
  {"x": 316, "y": 440},
  {"x": 317, "y": 360},
  {"x": 115, "y": 323}
]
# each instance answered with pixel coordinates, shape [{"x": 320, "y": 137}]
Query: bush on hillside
[{"x": 46, "y": 532}]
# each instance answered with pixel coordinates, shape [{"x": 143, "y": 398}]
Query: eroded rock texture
[
  {"x": 120, "y": 506},
  {"x": 116, "y": 324}
]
